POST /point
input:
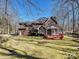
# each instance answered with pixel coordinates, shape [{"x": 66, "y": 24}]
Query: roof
[
  {"x": 44, "y": 19},
  {"x": 39, "y": 21},
  {"x": 25, "y": 23},
  {"x": 54, "y": 19}
]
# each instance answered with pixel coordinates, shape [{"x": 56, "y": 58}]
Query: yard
[{"x": 31, "y": 47}]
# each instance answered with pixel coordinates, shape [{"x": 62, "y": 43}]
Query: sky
[
  {"x": 24, "y": 10},
  {"x": 27, "y": 12}
]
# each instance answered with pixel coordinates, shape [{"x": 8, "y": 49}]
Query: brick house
[{"x": 47, "y": 26}]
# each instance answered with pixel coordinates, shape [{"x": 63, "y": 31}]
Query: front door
[{"x": 49, "y": 32}]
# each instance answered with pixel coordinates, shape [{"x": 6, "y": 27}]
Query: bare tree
[
  {"x": 70, "y": 7},
  {"x": 11, "y": 14}
]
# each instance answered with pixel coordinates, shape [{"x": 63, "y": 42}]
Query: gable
[
  {"x": 49, "y": 22},
  {"x": 42, "y": 30}
]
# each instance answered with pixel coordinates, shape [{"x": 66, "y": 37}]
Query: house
[
  {"x": 44, "y": 26},
  {"x": 24, "y": 28}
]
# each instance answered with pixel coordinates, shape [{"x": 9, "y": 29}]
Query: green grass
[{"x": 39, "y": 47}]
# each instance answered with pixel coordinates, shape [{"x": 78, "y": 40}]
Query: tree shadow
[
  {"x": 75, "y": 35},
  {"x": 16, "y": 54}
]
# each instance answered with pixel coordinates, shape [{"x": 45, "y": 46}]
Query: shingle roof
[{"x": 39, "y": 21}]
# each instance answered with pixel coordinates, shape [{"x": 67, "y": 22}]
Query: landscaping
[{"x": 36, "y": 47}]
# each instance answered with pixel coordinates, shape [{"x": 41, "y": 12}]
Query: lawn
[{"x": 31, "y": 47}]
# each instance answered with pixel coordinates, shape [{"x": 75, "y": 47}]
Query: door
[{"x": 49, "y": 32}]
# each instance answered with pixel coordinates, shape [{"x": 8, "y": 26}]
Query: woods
[{"x": 67, "y": 13}]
